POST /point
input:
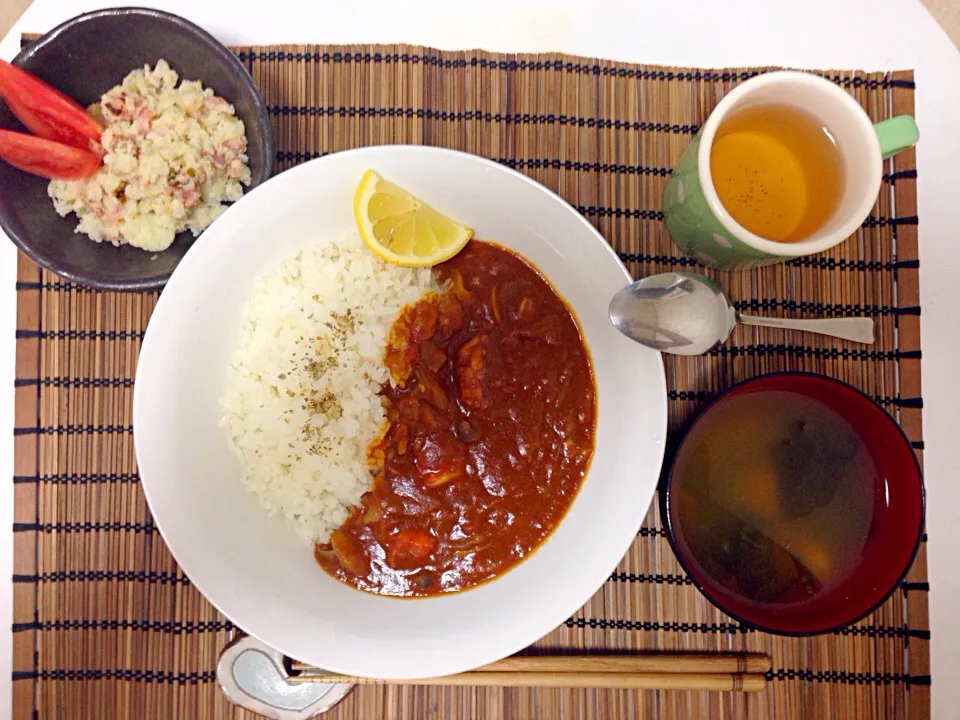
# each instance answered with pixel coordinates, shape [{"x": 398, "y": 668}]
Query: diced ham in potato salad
[{"x": 173, "y": 157}]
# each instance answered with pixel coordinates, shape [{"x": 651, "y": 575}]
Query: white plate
[{"x": 251, "y": 566}]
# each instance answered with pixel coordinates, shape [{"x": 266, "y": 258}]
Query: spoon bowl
[{"x": 680, "y": 313}]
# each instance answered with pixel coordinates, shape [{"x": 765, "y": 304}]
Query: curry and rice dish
[{"x": 430, "y": 439}]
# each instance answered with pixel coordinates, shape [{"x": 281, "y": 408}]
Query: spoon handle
[{"x": 859, "y": 329}]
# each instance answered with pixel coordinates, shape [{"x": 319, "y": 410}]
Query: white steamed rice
[{"x": 300, "y": 403}]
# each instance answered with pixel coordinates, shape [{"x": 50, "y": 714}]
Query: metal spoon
[{"x": 687, "y": 314}]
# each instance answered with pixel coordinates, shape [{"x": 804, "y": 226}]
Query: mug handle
[{"x": 896, "y": 134}]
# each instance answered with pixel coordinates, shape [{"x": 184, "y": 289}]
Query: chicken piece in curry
[{"x": 490, "y": 424}]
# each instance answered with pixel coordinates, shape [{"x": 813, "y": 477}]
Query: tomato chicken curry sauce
[{"x": 490, "y": 429}]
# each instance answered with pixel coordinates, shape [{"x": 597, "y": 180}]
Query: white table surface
[{"x": 867, "y": 34}]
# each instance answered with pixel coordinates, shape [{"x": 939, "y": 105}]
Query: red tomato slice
[
  {"x": 46, "y": 111},
  {"x": 46, "y": 158}
]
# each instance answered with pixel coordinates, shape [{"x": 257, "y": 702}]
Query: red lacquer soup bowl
[{"x": 795, "y": 503}]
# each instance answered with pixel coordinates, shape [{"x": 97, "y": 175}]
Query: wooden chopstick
[
  {"x": 705, "y": 671},
  {"x": 648, "y": 663},
  {"x": 752, "y": 682}
]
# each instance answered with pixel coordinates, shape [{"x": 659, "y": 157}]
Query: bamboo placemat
[{"x": 106, "y": 624}]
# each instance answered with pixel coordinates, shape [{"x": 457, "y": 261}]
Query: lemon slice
[{"x": 401, "y": 229}]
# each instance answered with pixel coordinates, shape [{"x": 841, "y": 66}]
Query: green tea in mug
[{"x": 777, "y": 171}]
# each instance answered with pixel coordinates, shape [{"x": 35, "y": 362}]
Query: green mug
[{"x": 704, "y": 230}]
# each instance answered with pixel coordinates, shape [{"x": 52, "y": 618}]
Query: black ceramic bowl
[{"x": 84, "y": 57}]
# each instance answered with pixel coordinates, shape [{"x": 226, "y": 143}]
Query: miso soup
[{"x": 776, "y": 495}]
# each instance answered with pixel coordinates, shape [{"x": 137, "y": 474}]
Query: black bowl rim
[
  {"x": 213, "y": 45},
  {"x": 664, "y": 498}
]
